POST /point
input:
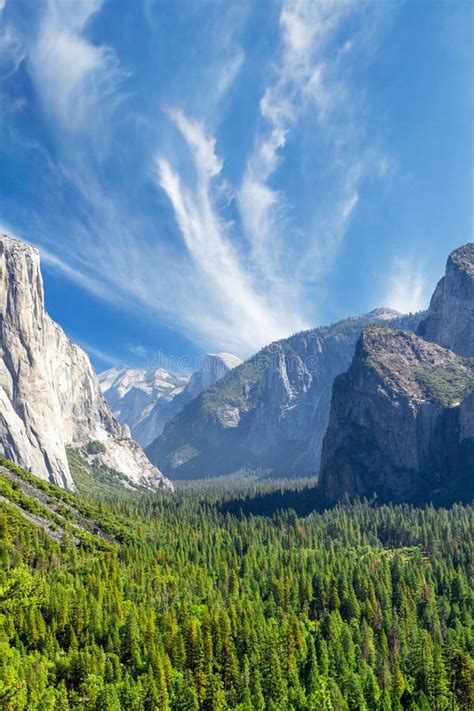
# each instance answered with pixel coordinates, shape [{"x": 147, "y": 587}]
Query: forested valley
[{"x": 181, "y": 605}]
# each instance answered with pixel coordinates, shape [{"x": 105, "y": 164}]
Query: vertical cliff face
[
  {"x": 50, "y": 397},
  {"x": 401, "y": 422},
  {"x": 402, "y": 417},
  {"x": 271, "y": 412},
  {"x": 463, "y": 460},
  {"x": 450, "y": 320},
  {"x": 28, "y": 339}
]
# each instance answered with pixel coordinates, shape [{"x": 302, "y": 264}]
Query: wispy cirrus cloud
[
  {"x": 73, "y": 76},
  {"x": 12, "y": 51},
  {"x": 253, "y": 267},
  {"x": 229, "y": 72},
  {"x": 78, "y": 83},
  {"x": 312, "y": 83},
  {"x": 235, "y": 299},
  {"x": 78, "y": 276},
  {"x": 98, "y": 353}
]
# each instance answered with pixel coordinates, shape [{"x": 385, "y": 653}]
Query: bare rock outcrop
[{"x": 402, "y": 418}]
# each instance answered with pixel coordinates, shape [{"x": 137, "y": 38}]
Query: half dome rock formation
[
  {"x": 450, "y": 320},
  {"x": 50, "y": 397},
  {"x": 270, "y": 413},
  {"x": 402, "y": 423},
  {"x": 214, "y": 367}
]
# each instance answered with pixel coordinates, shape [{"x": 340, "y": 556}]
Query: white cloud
[
  {"x": 262, "y": 283},
  {"x": 229, "y": 72},
  {"x": 87, "y": 282},
  {"x": 309, "y": 81},
  {"x": 236, "y": 302},
  {"x": 12, "y": 51},
  {"x": 138, "y": 350},
  {"x": 237, "y": 286},
  {"x": 98, "y": 353},
  {"x": 71, "y": 75},
  {"x": 407, "y": 288},
  {"x": 202, "y": 146}
]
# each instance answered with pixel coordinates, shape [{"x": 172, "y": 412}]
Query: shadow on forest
[
  {"x": 311, "y": 500},
  {"x": 303, "y": 502}
]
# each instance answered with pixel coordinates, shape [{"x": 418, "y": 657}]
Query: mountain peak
[
  {"x": 383, "y": 314},
  {"x": 229, "y": 359},
  {"x": 463, "y": 258},
  {"x": 213, "y": 367},
  {"x": 450, "y": 319},
  {"x": 15, "y": 243}
]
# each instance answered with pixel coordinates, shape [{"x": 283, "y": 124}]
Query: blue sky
[{"x": 204, "y": 176}]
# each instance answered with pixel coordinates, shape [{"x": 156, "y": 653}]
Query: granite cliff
[
  {"x": 50, "y": 398},
  {"x": 450, "y": 319},
  {"x": 401, "y": 422},
  {"x": 212, "y": 368}
]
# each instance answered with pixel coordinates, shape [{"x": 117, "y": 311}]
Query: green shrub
[{"x": 95, "y": 447}]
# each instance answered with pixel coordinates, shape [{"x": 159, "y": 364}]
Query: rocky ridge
[
  {"x": 400, "y": 425},
  {"x": 450, "y": 319}
]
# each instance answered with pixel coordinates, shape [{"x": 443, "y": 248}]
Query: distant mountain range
[
  {"x": 145, "y": 400},
  {"x": 271, "y": 412}
]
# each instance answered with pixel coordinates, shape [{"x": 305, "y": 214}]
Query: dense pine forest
[{"x": 181, "y": 605}]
